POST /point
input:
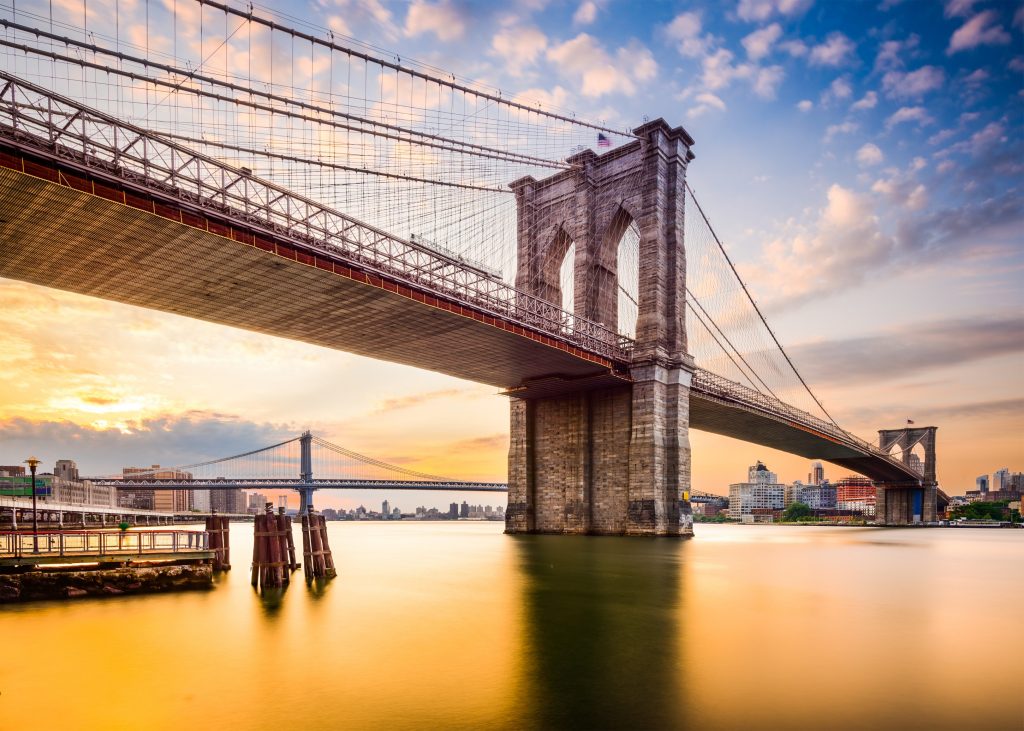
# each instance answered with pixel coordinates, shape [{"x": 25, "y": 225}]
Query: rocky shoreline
[{"x": 96, "y": 582}]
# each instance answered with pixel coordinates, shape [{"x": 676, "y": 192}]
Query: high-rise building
[
  {"x": 464, "y": 510},
  {"x": 282, "y": 501},
  {"x": 385, "y": 510},
  {"x": 981, "y": 483},
  {"x": 816, "y": 475},
  {"x": 169, "y": 501},
  {"x": 792, "y": 492},
  {"x": 256, "y": 502},
  {"x": 201, "y": 501},
  {"x": 453, "y": 510},
  {"x": 757, "y": 498},
  {"x": 1001, "y": 479},
  {"x": 819, "y": 497},
  {"x": 66, "y": 469},
  {"x": 227, "y": 501}
]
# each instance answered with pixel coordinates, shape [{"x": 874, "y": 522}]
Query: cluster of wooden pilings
[
  {"x": 220, "y": 542},
  {"x": 273, "y": 551},
  {"x": 316, "y": 551}
]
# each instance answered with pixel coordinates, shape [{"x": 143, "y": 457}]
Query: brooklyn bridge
[{"x": 401, "y": 214}]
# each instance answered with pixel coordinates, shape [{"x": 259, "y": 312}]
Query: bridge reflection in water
[{"x": 602, "y": 632}]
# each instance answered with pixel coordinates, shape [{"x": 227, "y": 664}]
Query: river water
[{"x": 454, "y": 625}]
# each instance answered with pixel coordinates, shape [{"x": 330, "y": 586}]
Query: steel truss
[
  {"x": 96, "y": 143},
  {"x": 296, "y": 484},
  {"x": 723, "y": 389}
]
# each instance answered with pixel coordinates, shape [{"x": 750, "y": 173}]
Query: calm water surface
[{"x": 458, "y": 626}]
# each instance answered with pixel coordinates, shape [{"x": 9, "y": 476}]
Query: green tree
[{"x": 796, "y": 511}]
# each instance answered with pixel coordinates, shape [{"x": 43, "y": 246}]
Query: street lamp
[{"x": 32, "y": 463}]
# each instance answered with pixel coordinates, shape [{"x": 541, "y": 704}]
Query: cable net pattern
[{"x": 394, "y": 143}]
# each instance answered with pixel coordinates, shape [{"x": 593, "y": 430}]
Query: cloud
[
  {"x": 586, "y": 60},
  {"x": 685, "y": 31},
  {"x": 441, "y": 19},
  {"x": 844, "y": 128},
  {"x": 487, "y": 443},
  {"x": 586, "y": 13},
  {"x": 846, "y": 244},
  {"x": 519, "y": 48},
  {"x": 905, "y": 115},
  {"x": 890, "y": 53},
  {"x": 411, "y": 401},
  {"x": 911, "y": 349},
  {"x": 759, "y": 43},
  {"x": 795, "y": 48},
  {"x": 913, "y": 85},
  {"x": 839, "y": 89},
  {"x": 166, "y": 440},
  {"x": 868, "y": 101},
  {"x": 805, "y": 105},
  {"x": 902, "y": 189},
  {"x": 981, "y": 30},
  {"x": 959, "y": 8},
  {"x": 834, "y": 51},
  {"x": 706, "y": 101},
  {"x": 869, "y": 154},
  {"x": 757, "y": 10},
  {"x": 845, "y": 239}
]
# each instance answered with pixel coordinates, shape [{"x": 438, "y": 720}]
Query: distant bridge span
[{"x": 256, "y": 483}]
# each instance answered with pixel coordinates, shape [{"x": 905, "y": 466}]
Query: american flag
[{"x": 603, "y": 141}]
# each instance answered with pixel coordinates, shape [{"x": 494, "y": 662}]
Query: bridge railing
[
  {"x": 92, "y": 543},
  {"x": 60, "y": 128},
  {"x": 723, "y": 388}
]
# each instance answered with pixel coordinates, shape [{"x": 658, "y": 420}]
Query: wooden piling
[
  {"x": 316, "y": 551},
  {"x": 307, "y": 551},
  {"x": 284, "y": 527},
  {"x": 270, "y": 562},
  {"x": 219, "y": 542}
]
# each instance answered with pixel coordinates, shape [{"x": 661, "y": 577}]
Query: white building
[{"x": 750, "y": 501}]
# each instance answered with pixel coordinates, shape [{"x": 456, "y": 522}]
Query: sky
[{"x": 862, "y": 162}]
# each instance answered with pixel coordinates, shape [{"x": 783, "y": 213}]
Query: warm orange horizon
[{"x": 112, "y": 385}]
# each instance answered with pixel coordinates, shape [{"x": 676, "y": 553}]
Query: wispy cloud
[{"x": 910, "y": 350}]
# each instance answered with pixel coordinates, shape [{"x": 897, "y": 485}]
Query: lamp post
[{"x": 32, "y": 463}]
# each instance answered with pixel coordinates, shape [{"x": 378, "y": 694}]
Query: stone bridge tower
[
  {"x": 614, "y": 459},
  {"x": 904, "y": 505}
]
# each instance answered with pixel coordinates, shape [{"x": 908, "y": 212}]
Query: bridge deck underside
[
  {"x": 56, "y": 236},
  {"x": 718, "y": 417}
]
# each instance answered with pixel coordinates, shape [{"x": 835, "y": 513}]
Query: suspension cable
[{"x": 756, "y": 308}]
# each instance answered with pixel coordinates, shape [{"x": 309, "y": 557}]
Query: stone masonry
[
  {"x": 614, "y": 460},
  {"x": 895, "y": 505}
]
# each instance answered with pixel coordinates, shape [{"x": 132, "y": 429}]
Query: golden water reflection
[{"x": 439, "y": 625}]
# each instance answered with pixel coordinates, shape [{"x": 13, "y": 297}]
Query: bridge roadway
[
  {"x": 293, "y": 484},
  {"x": 120, "y": 229}
]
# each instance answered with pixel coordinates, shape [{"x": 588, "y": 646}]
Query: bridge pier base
[
  {"x": 906, "y": 505},
  {"x": 606, "y": 462},
  {"x": 305, "y": 500}
]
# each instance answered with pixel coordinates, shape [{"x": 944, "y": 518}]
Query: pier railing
[{"x": 93, "y": 544}]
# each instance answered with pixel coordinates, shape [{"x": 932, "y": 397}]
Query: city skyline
[{"x": 892, "y": 177}]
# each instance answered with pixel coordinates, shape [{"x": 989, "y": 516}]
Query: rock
[
  {"x": 72, "y": 592},
  {"x": 112, "y": 591}
]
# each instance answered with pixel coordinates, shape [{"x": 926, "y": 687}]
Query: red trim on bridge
[{"x": 59, "y": 175}]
